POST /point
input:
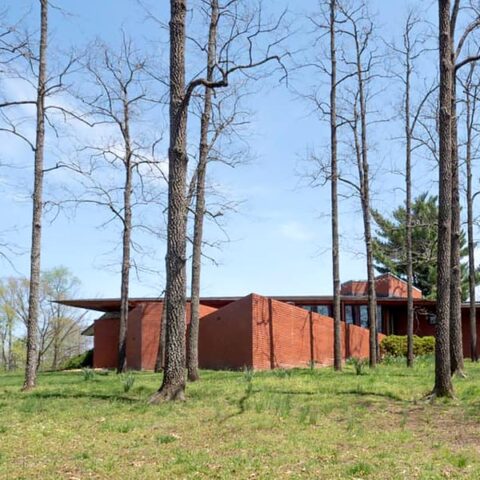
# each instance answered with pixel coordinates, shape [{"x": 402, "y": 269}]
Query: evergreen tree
[{"x": 390, "y": 251}]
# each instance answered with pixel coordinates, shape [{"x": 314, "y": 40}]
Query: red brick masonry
[{"x": 255, "y": 332}]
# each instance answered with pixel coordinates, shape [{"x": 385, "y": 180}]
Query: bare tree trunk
[
  {"x": 127, "y": 234},
  {"x": 160, "y": 362},
  {"x": 443, "y": 381},
  {"x": 408, "y": 200},
  {"x": 456, "y": 343},
  {"x": 470, "y": 119},
  {"x": 34, "y": 295},
  {"x": 365, "y": 197},
  {"x": 363, "y": 190},
  {"x": 337, "y": 341},
  {"x": 192, "y": 358},
  {"x": 173, "y": 385}
]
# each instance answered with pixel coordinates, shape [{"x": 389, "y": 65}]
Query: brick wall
[
  {"x": 386, "y": 285},
  {"x": 355, "y": 288},
  {"x": 142, "y": 336},
  {"x": 288, "y": 336},
  {"x": 105, "y": 343},
  {"x": 225, "y": 339},
  {"x": 391, "y": 286}
]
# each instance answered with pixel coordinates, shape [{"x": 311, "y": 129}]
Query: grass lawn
[{"x": 269, "y": 425}]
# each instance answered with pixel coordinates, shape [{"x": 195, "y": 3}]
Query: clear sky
[{"x": 280, "y": 235}]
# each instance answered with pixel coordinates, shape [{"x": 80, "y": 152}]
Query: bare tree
[
  {"x": 471, "y": 91},
  {"x": 46, "y": 85},
  {"x": 201, "y": 170},
  {"x": 116, "y": 99},
  {"x": 456, "y": 344},
  {"x": 456, "y": 347},
  {"x": 360, "y": 30},
  {"x": 220, "y": 141},
  {"x": 337, "y": 348},
  {"x": 443, "y": 382},
  {"x": 245, "y": 31},
  {"x": 411, "y": 50},
  {"x": 173, "y": 385},
  {"x": 34, "y": 298}
]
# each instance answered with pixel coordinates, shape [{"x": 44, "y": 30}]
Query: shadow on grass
[
  {"x": 96, "y": 396},
  {"x": 285, "y": 392},
  {"x": 366, "y": 393}
]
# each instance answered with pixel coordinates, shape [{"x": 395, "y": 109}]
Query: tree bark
[
  {"x": 408, "y": 200},
  {"x": 456, "y": 341},
  {"x": 126, "y": 240},
  {"x": 337, "y": 341},
  {"x": 365, "y": 200},
  {"x": 470, "y": 119},
  {"x": 173, "y": 385},
  {"x": 160, "y": 362},
  {"x": 443, "y": 382},
  {"x": 37, "y": 197},
  {"x": 192, "y": 358}
]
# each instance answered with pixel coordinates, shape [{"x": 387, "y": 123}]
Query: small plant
[
  {"x": 358, "y": 363},
  {"x": 360, "y": 468},
  {"x": 165, "y": 438},
  {"x": 88, "y": 374},
  {"x": 282, "y": 373},
  {"x": 127, "y": 379},
  {"x": 248, "y": 375}
]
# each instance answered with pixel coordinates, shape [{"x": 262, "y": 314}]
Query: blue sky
[{"x": 280, "y": 235}]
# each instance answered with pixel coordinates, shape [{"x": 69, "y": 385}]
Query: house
[{"x": 264, "y": 333}]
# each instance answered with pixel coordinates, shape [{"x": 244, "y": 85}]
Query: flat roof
[{"x": 113, "y": 304}]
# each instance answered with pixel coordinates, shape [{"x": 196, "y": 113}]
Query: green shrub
[
  {"x": 396, "y": 346},
  {"x": 84, "y": 360}
]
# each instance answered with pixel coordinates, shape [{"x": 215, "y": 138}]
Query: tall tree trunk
[
  {"x": 126, "y": 241},
  {"x": 173, "y": 385},
  {"x": 470, "y": 119},
  {"x": 408, "y": 204},
  {"x": 443, "y": 381},
  {"x": 456, "y": 341},
  {"x": 364, "y": 200},
  {"x": 37, "y": 197},
  {"x": 337, "y": 341},
  {"x": 192, "y": 358},
  {"x": 160, "y": 362},
  {"x": 365, "y": 195}
]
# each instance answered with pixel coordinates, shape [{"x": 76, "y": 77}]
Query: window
[
  {"x": 379, "y": 319},
  {"x": 432, "y": 319},
  {"x": 308, "y": 308},
  {"x": 363, "y": 316},
  {"x": 323, "y": 310},
  {"x": 349, "y": 314}
]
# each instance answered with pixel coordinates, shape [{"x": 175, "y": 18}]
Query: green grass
[{"x": 294, "y": 424}]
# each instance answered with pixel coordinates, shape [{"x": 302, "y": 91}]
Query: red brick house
[{"x": 264, "y": 333}]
